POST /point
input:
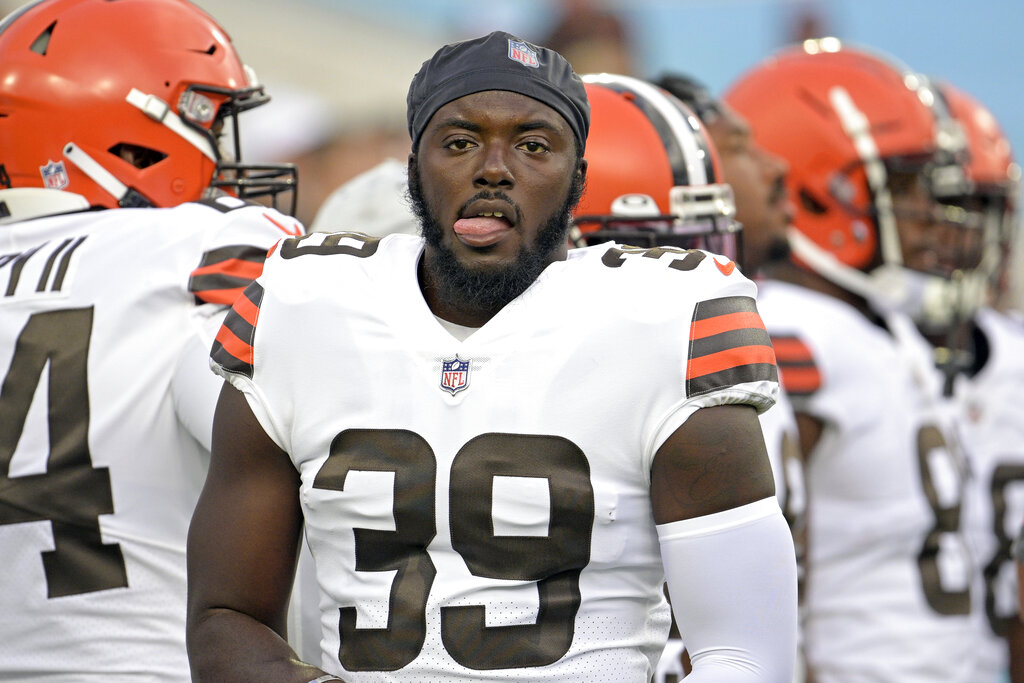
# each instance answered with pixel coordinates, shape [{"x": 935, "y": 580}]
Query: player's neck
[{"x": 446, "y": 307}]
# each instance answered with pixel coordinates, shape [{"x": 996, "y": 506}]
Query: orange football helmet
[
  {"x": 845, "y": 120},
  {"x": 993, "y": 179},
  {"x": 124, "y": 103},
  {"x": 991, "y": 169},
  {"x": 653, "y": 177}
]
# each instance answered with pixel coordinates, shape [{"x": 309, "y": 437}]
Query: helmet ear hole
[
  {"x": 137, "y": 155},
  {"x": 42, "y": 41},
  {"x": 810, "y": 204}
]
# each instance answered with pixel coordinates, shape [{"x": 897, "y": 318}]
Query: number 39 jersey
[
  {"x": 480, "y": 509},
  {"x": 106, "y": 318}
]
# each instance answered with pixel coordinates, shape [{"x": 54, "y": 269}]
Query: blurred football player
[
  {"x": 125, "y": 240},
  {"x": 869, "y": 150},
  {"x": 982, "y": 354}
]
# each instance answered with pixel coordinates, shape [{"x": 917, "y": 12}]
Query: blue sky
[{"x": 977, "y": 45}]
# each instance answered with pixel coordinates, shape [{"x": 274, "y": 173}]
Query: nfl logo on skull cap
[
  {"x": 454, "y": 375},
  {"x": 523, "y": 53},
  {"x": 55, "y": 176}
]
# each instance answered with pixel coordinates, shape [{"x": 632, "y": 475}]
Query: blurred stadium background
[{"x": 338, "y": 70}]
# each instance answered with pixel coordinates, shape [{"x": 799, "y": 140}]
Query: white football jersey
[
  {"x": 480, "y": 509},
  {"x": 887, "y": 587},
  {"x": 106, "y": 410},
  {"x": 992, "y": 432}
]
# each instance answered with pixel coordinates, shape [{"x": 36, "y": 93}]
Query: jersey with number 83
[{"x": 480, "y": 509}]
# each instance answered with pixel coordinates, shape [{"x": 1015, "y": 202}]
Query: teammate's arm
[
  {"x": 810, "y": 429},
  {"x": 242, "y": 549},
  {"x": 728, "y": 553}
]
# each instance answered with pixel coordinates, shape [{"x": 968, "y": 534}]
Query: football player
[
  {"x": 498, "y": 447},
  {"x": 869, "y": 149},
  {"x": 982, "y": 352},
  {"x": 125, "y": 239}
]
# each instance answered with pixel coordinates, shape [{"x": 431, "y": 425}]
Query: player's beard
[{"x": 488, "y": 290}]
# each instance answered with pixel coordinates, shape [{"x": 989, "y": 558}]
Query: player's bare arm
[
  {"x": 242, "y": 549},
  {"x": 715, "y": 461}
]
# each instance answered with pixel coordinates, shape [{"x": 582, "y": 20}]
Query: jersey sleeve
[
  {"x": 233, "y": 351},
  {"x": 798, "y": 366},
  {"x": 729, "y": 347},
  {"x": 232, "y": 355},
  {"x": 235, "y": 252},
  {"x": 727, "y": 355},
  {"x": 237, "y": 238}
]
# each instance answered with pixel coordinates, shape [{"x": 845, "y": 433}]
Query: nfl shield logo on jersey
[
  {"x": 454, "y": 375},
  {"x": 55, "y": 176},
  {"x": 523, "y": 53}
]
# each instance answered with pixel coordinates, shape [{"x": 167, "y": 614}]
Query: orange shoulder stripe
[
  {"x": 791, "y": 349},
  {"x": 800, "y": 380},
  {"x": 729, "y": 358},
  {"x": 725, "y": 323},
  {"x": 239, "y": 268},
  {"x": 235, "y": 346},
  {"x": 248, "y": 311},
  {"x": 220, "y": 296}
]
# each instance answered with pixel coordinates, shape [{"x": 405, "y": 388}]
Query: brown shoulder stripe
[
  {"x": 225, "y": 272},
  {"x": 728, "y": 346},
  {"x": 232, "y": 349},
  {"x": 800, "y": 374}
]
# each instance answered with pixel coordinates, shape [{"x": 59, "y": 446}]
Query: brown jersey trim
[
  {"x": 800, "y": 374},
  {"x": 223, "y": 273},
  {"x": 233, "y": 347}
]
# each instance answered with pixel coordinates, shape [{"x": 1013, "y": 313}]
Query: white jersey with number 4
[
  {"x": 106, "y": 410},
  {"x": 480, "y": 509}
]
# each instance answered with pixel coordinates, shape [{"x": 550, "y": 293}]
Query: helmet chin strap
[{"x": 931, "y": 301}]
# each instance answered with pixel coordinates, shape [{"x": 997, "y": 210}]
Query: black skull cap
[{"x": 497, "y": 61}]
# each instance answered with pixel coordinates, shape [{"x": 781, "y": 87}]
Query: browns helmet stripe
[
  {"x": 232, "y": 349},
  {"x": 225, "y": 272},
  {"x": 728, "y": 345},
  {"x": 800, "y": 374},
  {"x": 673, "y": 129}
]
